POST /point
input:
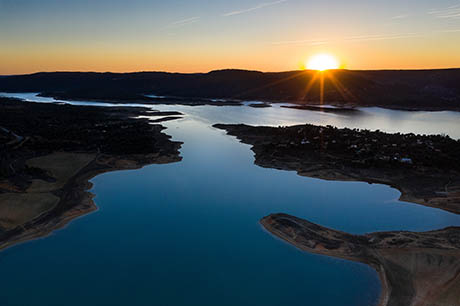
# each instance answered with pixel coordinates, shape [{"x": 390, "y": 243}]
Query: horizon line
[{"x": 225, "y": 69}]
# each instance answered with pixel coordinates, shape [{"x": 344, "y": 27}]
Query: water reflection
[{"x": 373, "y": 118}]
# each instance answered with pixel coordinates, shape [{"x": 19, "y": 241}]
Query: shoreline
[
  {"x": 403, "y": 260},
  {"x": 81, "y": 205},
  {"x": 296, "y": 104},
  {"x": 300, "y": 105},
  {"x": 385, "y": 290},
  {"x": 45, "y": 178},
  {"x": 430, "y": 89},
  {"x": 349, "y": 107},
  {"x": 75, "y": 199},
  {"x": 147, "y": 100},
  {"x": 331, "y": 154},
  {"x": 400, "y": 267}
]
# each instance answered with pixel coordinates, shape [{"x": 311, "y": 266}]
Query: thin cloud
[
  {"x": 381, "y": 37},
  {"x": 257, "y": 7},
  {"x": 449, "y": 31},
  {"x": 183, "y": 22},
  {"x": 447, "y": 13},
  {"x": 361, "y": 38},
  {"x": 301, "y": 42},
  {"x": 403, "y": 16}
]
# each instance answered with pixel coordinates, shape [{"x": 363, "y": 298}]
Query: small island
[
  {"x": 325, "y": 109},
  {"x": 50, "y": 152},
  {"x": 260, "y": 105}
]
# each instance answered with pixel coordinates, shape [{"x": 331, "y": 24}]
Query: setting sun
[{"x": 322, "y": 62}]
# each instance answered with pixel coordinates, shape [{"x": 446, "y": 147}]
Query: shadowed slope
[{"x": 418, "y": 89}]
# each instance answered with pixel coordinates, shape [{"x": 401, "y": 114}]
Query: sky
[{"x": 204, "y": 35}]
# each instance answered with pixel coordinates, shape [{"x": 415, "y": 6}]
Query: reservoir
[{"x": 188, "y": 233}]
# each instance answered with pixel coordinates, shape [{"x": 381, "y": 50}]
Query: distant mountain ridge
[{"x": 406, "y": 89}]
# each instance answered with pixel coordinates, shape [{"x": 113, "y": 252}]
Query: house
[{"x": 406, "y": 160}]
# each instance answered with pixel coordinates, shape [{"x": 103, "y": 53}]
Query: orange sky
[{"x": 267, "y": 36}]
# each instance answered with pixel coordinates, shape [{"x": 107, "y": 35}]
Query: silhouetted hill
[{"x": 409, "y": 89}]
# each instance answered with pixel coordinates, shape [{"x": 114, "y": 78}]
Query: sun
[{"x": 322, "y": 62}]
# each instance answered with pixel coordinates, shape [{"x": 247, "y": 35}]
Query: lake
[{"x": 187, "y": 233}]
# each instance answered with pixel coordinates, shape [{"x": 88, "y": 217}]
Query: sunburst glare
[{"x": 322, "y": 62}]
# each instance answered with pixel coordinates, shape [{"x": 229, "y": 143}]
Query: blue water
[{"x": 188, "y": 234}]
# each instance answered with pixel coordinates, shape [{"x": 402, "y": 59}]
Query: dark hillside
[{"x": 405, "y": 89}]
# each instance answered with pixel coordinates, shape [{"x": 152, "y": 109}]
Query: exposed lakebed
[{"x": 188, "y": 233}]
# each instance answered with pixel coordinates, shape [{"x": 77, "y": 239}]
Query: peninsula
[
  {"x": 414, "y": 268},
  {"x": 425, "y": 168},
  {"x": 50, "y": 152}
]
